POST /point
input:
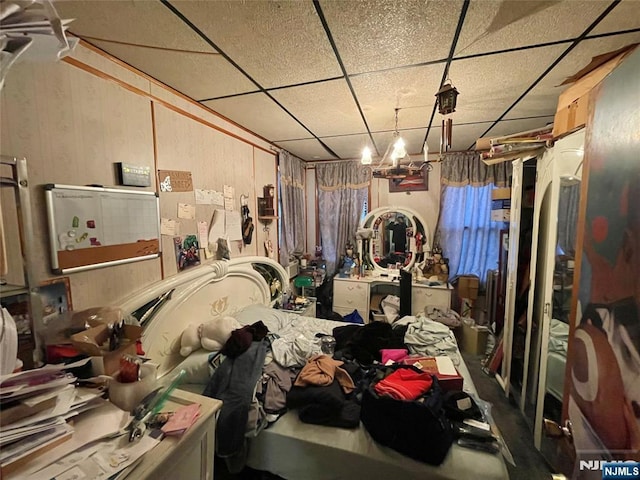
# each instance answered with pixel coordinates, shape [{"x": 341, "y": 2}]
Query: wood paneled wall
[{"x": 74, "y": 119}]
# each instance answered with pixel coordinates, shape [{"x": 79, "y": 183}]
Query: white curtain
[
  {"x": 293, "y": 206},
  {"x": 466, "y": 233},
  {"x": 342, "y": 190}
]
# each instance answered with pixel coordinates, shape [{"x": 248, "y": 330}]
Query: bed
[{"x": 289, "y": 448}]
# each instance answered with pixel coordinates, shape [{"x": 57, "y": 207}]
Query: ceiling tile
[
  {"x": 326, "y": 108},
  {"x": 461, "y": 137},
  {"x": 277, "y": 43},
  {"x": 348, "y": 146},
  {"x": 489, "y": 85},
  {"x": 493, "y": 25},
  {"x": 414, "y": 140},
  {"x": 197, "y": 76},
  {"x": 625, "y": 16},
  {"x": 308, "y": 149},
  {"x": 410, "y": 89},
  {"x": 138, "y": 22},
  {"x": 377, "y": 34},
  {"x": 543, "y": 99},
  {"x": 258, "y": 113}
]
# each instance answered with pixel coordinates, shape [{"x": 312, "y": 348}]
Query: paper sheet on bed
[{"x": 445, "y": 366}]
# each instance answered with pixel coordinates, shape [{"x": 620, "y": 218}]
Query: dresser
[{"x": 351, "y": 294}]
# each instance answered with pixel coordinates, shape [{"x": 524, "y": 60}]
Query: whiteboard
[{"x": 93, "y": 227}]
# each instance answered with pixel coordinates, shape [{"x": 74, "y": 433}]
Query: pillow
[
  {"x": 271, "y": 317},
  {"x": 196, "y": 367}
]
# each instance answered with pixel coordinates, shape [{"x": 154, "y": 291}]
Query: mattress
[{"x": 295, "y": 450}]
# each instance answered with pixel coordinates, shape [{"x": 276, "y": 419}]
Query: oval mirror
[{"x": 399, "y": 237}]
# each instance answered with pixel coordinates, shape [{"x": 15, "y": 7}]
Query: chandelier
[{"x": 396, "y": 162}]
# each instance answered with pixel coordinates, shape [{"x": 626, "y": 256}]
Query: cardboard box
[
  {"x": 474, "y": 339},
  {"x": 573, "y": 103},
  {"x": 94, "y": 342},
  {"x": 468, "y": 286},
  {"x": 431, "y": 365}
]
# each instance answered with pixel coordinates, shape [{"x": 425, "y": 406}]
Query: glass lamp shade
[{"x": 366, "y": 156}]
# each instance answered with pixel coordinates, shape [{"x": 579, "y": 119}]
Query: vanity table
[
  {"x": 378, "y": 247},
  {"x": 351, "y": 294}
]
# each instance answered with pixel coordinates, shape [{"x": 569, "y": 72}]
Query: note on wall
[
  {"x": 233, "y": 225},
  {"x": 186, "y": 210},
  {"x": 229, "y": 195},
  {"x": 217, "y": 228},
  {"x": 218, "y": 198},
  {"x": 203, "y": 234},
  {"x": 204, "y": 197},
  {"x": 168, "y": 226}
]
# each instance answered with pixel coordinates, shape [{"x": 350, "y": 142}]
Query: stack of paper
[
  {"x": 34, "y": 408},
  {"x": 182, "y": 419}
]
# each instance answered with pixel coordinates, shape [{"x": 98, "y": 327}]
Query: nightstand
[
  {"x": 306, "y": 310},
  {"x": 189, "y": 456}
]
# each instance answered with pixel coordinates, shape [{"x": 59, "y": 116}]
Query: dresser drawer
[
  {"x": 350, "y": 294},
  {"x": 422, "y": 297}
]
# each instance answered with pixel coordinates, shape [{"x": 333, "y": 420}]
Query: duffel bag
[{"x": 418, "y": 429}]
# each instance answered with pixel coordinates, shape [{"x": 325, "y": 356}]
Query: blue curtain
[{"x": 469, "y": 238}]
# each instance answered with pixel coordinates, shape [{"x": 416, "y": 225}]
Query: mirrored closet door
[{"x": 553, "y": 249}]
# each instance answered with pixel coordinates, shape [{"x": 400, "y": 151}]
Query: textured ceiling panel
[
  {"x": 261, "y": 115},
  {"x": 410, "y": 89},
  {"x": 496, "y": 25},
  {"x": 326, "y": 108},
  {"x": 348, "y": 146},
  {"x": 489, "y": 85},
  {"x": 277, "y": 43},
  {"x": 543, "y": 99},
  {"x": 461, "y": 137},
  {"x": 139, "y": 22},
  {"x": 150, "y": 24},
  {"x": 309, "y": 149},
  {"x": 197, "y": 76},
  {"x": 413, "y": 140},
  {"x": 377, "y": 34},
  {"x": 624, "y": 17}
]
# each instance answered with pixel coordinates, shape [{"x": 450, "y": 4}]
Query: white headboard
[{"x": 200, "y": 294}]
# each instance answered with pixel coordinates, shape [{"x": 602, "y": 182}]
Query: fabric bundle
[
  {"x": 240, "y": 339},
  {"x": 364, "y": 343},
  {"x": 428, "y": 338},
  {"x": 321, "y": 371},
  {"x": 404, "y": 384}
]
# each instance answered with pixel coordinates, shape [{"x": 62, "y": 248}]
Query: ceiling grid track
[
  {"x": 327, "y": 30},
  {"x": 573, "y": 45},
  {"x": 452, "y": 51},
  {"x": 429, "y": 63},
  {"x": 212, "y": 44}
]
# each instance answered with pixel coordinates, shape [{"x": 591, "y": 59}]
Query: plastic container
[{"x": 328, "y": 345}]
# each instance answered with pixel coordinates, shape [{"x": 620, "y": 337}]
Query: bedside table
[
  {"x": 189, "y": 456},
  {"x": 308, "y": 310}
]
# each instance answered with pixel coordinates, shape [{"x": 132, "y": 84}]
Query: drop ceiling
[{"x": 322, "y": 79}]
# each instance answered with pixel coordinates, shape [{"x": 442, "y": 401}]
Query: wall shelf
[{"x": 30, "y": 345}]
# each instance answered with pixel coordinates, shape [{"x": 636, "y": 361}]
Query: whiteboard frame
[{"x": 53, "y": 246}]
